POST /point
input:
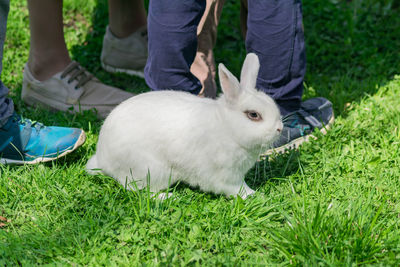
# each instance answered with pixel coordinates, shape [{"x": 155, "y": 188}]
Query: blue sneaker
[
  {"x": 23, "y": 141},
  {"x": 299, "y": 125}
]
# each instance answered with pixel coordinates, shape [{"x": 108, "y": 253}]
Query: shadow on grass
[{"x": 277, "y": 168}]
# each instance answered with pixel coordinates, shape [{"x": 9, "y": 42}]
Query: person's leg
[
  {"x": 203, "y": 66},
  {"x": 51, "y": 79},
  {"x": 6, "y": 104},
  {"x": 126, "y": 16},
  {"x": 275, "y": 34},
  {"x": 125, "y": 41},
  {"x": 48, "y": 52},
  {"x": 172, "y": 29}
]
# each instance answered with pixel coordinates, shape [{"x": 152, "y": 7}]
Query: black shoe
[{"x": 298, "y": 126}]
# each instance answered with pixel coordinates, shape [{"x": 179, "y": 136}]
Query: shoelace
[
  {"x": 294, "y": 121},
  {"x": 29, "y": 123},
  {"x": 299, "y": 115},
  {"x": 78, "y": 73}
]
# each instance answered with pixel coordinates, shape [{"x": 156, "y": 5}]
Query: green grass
[{"x": 334, "y": 202}]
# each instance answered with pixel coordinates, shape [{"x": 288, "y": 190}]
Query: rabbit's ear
[
  {"x": 229, "y": 84},
  {"x": 248, "y": 77}
]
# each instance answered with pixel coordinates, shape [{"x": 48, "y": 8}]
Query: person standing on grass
[
  {"x": 25, "y": 141},
  {"x": 274, "y": 31}
]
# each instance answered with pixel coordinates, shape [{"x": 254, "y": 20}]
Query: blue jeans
[
  {"x": 172, "y": 32},
  {"x": 6, "y": 104},
  {"x": 274, "y": 33}
]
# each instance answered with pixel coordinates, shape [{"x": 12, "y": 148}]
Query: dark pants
[
  {"x": 6, "y": 104},
  {"x": 274, "y": 33}
]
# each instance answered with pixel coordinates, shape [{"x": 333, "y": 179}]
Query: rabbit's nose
[{"x": 280, "y": 127}]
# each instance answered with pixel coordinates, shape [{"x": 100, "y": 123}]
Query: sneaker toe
[{"x": 52, "y": 142}]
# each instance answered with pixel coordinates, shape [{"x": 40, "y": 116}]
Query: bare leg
[
  {"x": 48, "y": 52},
  {"x": 126, "y": 16}
]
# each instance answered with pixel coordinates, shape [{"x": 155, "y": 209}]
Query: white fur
[{"x": 169, "y": 136}]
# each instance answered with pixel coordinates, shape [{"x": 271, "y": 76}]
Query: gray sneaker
[
  {"x": 127, "y": 55},
  {"x": 299, "y": 125},
  {"x": 74, "y": 90}
]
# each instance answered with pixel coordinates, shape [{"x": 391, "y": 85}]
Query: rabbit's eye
[{"x": 253, "y": 115}]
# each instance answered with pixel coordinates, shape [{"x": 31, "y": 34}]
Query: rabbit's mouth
[
  {"x": 265, "y": 143},
  {"x": 269, "y": 140}
]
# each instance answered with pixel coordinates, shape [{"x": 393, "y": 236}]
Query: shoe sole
[
  {"x": 294, "y": 144},
  {"x": 78, "y": 143},
  {"x": 34, "y": 99},
  {"x": 111, "y": 69}
]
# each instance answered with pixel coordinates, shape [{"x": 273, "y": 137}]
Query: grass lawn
[{"x": 336, "y": 201}]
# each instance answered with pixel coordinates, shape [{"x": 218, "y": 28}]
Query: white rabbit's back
[{"x": 155, "y": 132}]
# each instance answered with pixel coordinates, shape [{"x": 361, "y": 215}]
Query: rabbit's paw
[{"x": 162, "y": 196}]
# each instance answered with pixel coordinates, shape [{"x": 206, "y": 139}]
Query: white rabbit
[{"x": 170, "y": 136}]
